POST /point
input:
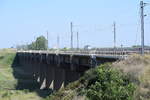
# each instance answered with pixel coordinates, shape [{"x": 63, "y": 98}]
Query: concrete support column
[
  {"x": 59, "y": 78},
  {"x": 30, "y": 67},
  {"x": 71, "y": 76},
  {"x": 58, "y": 60},
  {"x": 71, "y": 63},
  {"x": 43, "y": 68},
  {"x": 21, "y": 59},
  {"x": 37, "y": 71},
  {"x": 26, "y": 63},
  {"x": 50, "y": 76}
]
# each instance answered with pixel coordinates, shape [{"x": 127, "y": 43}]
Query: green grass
[
  {"x": 6, "y": 58},
  {"x": 18, "y": 95},
  {"x": 7, "y": 79},
  {"x": 8, "y": 82}
]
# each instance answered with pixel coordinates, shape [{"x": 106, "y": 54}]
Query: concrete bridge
[{"x": 55, "y": 69}]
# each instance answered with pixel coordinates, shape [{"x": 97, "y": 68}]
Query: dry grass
[{"x": 138, "y": 69}]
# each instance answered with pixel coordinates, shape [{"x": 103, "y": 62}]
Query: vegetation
[
  {"x": 138, "y": 69},
  {"x": 124, "y": 80},
  {"x": 39, "y": 44},
  {"x": 8, "y": 82},
  {"x": 102, "y": 83},
  {"x": 109, "y": 84}
]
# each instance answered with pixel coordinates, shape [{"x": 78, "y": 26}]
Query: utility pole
[
  {"x": 77, "y": 40},
  {"x": 47, "y": 40},
  {"x": 114, "y": 25},
  {"x": 71, "y": 26},
  {"x": 35, "y": 42},
  {"x": 58, "y": 39},
  {"x": 142, "y": 27}
]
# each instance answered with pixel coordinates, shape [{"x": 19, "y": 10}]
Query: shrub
[{"x": 109, "y": 84}]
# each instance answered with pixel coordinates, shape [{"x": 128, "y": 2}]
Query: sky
[{"x": 21, "y": 21}]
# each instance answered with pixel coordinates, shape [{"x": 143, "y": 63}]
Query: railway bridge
[{"x": 56, "y": 69}]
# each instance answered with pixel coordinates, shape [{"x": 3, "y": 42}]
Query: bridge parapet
[{"x": 83, "y": 53}]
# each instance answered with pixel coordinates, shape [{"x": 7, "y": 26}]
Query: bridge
[{"x": 56, "y": 69}]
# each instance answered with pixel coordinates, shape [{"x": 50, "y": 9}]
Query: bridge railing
[{"x": 106, "y": 52}]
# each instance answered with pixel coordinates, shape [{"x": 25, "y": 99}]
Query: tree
[
  {"x": 32, "y": 46},
  {"x": 41, "y": 43}
]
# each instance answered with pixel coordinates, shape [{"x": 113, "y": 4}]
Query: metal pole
[
  {"x": 142, "y": 27},
  {"x": 114, "y": 35},
  {"x": 47, "y": 40},
  {"x": 58, "y": 42},
  {"x": 77, "y": 40},
  {"x": 35, "y": 43},
  {"x": 114, "y": 38},
  {"x": 71, "y": 26}
]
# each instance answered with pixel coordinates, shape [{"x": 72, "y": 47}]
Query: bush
[
  {"x": 101, "y": 83},
  {"x": 109, "y": 84}
]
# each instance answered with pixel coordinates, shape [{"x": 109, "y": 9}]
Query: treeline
[{"x": 39, "y": 44}]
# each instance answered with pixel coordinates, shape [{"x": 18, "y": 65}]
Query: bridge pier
[
  {"x": 71, "y": 76},
  {"x": 59, "y": 79},
  {"x": 37, "y": 71},
  {"x": 50, "y": 76}
]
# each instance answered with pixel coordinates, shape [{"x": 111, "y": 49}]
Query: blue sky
[{"x": 21, "y": 21}]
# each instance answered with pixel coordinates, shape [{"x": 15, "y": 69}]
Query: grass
[
  {"x": 7, "y": 57},
  {"x": 8, "y": 82},
  {"x": 6, "y": 77},
  {"x": 18, "y": 95},
  {"x": 138, "y": 68}
]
